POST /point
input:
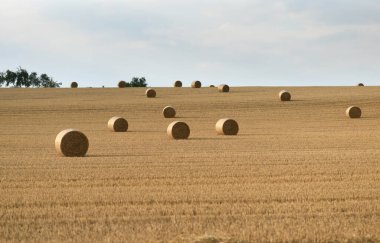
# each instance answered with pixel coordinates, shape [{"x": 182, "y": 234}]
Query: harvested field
[{"x": 297, "y": 170}]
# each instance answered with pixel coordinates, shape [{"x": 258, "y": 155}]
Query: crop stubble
[{"x": 298, "y": 170}]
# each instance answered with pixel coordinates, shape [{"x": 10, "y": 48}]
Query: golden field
[{"x": 297, "y": 171}]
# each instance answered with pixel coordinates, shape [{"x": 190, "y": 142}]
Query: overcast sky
[{"x": 239, "y": 42}]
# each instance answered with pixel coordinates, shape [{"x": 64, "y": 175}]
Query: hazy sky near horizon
[{"x": 240, "y": 42}]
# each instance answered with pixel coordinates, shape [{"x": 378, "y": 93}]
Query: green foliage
[
  {"x": 48, "y": 82},
  {"x": 137, "y": 82},
  {"x": 21, "y": 78}
]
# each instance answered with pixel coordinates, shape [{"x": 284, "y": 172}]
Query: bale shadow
[
  {"x": 143, "y": 131},
  {"x": 105, "y": 155},
  {"x": 297, "y": 100},
  {"x": 186, "y": 117},
  {"x": 112, "y": 155},
  {"x": 293, "y": 100},
  {"x": 260, "y": 134},
  {"x": 214, "y": 138},
  {"x": 362, "y": 118},
  {"x": 251, "y": 134}
]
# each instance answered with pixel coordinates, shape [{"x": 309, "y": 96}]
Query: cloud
[
  {"x": 243, "y": 42},
  {"x": 339, "y": 12}
]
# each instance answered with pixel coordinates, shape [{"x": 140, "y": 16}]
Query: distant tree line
[
  {"x": 22, "y": 78},
  {"x": 137, "y": 82}
]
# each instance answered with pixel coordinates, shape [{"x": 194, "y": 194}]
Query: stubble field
[{"x": 298, "y": 170}]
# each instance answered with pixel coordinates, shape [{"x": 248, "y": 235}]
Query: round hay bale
[
  {"x": 117, "y": 124},
  {"x": 224, "y": 88},
  {"x": 212, "y": 86},
  {"x": 168, "y": 112},
  {"x": 178, "y": 130},
  {"x": 196, "y": 84},
  {"x": 122, "y": 84},
  {"x": 360, "y": 84},
  {"x": 227, "y": 126},
  {"x": 285, "y": 95},
  {"x": 150, "y": 93},
  {"x": 353, "y": 112},
  {"x": 74, "y": 85},
  {"x": 71, "y": 143},
  {"x": 178, "y": 84}
]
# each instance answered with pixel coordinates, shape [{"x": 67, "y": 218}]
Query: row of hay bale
[
  {"x": 178, "y": 84},
  {"x": 223, "y": 88},
  {"x": 151, "y": 93},
  {"x": 198, "y": 84},
  {"x": 74, "y": 143},
  {"x": 351, "y": 112},
  {"x": 284, "y": 95}
]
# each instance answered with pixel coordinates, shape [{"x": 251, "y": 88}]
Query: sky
[{"x": 238, "y": 42}]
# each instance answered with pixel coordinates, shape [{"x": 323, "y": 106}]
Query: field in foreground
[{"x": 298, "y": 170}]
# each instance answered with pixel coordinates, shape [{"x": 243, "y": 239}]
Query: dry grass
[{"x": 298, "y": 170}]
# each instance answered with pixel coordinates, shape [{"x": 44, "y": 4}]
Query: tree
[
  {"x": 137, "y": 82},
  {"x": 48, "y": 82},
  {"x": 35, "y": 81},
  {"x": 10, "y": 77},
  {"x": 21, "y": 78}
]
